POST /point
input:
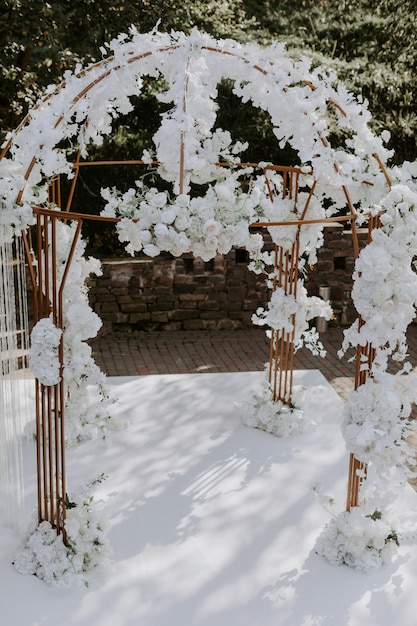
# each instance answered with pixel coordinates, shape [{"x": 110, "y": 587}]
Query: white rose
[
  {"x": 211, "y": 227},
  {"x": 183, "y": 200},
  {"x": 151, "y": 250}
]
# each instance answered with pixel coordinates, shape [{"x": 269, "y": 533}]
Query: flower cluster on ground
[
  {"x": 60, "y": 563},
  {"x": 279, "y": 418},
  {"x": 361, "y": 541},
  {"x": 288, "y": 317}
]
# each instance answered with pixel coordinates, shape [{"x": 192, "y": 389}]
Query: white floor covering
[{"x": 211, "y": 523}]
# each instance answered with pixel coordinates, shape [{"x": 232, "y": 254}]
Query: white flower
[
  {"x": 157, "y": 199},
  {"x": 182, "y": 220},
  {"x": 362, "y": 541},
  {"x": 151, "y": 250},
  {"x": 147, "y": 157},
  {"x": 44, "y": 352},
  {"x": 211, "y": 227},
  {"x": 168, "y": 215},
  {"x": 224, "y": 193}
]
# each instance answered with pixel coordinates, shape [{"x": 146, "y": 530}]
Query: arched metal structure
[{"x": 48, "y": 291}]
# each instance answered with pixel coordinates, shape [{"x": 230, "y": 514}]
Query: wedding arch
[{"x": 208, "y": 203}]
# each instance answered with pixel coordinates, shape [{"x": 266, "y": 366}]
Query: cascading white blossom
[
  {"x": 291, "y": 314},
  {"x": 44, "y": 352},
  {"x": 377, "y": 420},
  {"x": 87, "y": 414}
]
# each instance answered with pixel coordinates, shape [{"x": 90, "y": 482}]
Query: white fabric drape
[{"x": 13, "y": 389}]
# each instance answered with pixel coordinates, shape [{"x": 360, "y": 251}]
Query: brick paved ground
[{"x": 169, "y": 352}]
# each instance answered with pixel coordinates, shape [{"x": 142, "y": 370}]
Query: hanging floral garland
[
  {"x": 87, "y": 416},
  {"x": 206, "y": 225}
]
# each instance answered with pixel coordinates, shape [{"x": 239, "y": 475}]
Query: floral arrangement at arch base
[{"x": 363, "y": 541}]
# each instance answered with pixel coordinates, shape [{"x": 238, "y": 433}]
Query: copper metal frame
[
  {"x": 364, "y": 355},
  {"x": 48, "y": 299}
]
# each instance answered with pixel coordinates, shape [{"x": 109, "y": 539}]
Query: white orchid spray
[{"x": 44, "y": 352}]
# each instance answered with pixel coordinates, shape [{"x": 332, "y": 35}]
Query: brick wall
[
  {"x": 188, "y": 294},
  {"x": 177, "y": 293}
]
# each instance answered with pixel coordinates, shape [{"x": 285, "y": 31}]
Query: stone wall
[{"x": 189, "y": 294}]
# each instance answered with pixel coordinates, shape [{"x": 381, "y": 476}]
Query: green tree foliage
[
  {"x": 39, "y": 40},
  {"x": 370, "y": 43}
]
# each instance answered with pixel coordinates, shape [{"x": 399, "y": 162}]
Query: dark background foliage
[{"x": 371, "y": 44}]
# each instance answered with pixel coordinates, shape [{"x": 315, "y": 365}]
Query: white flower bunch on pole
[
  {"x": 288, "y": 313},
  {"x": 44, "y": 352}
]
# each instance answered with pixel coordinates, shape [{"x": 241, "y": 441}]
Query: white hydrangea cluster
[
  {"x": 361, "y": 541},
  {"x": 276, "y": 417},
  {"x": 377, "y": 422},
  {"x": 44, "y": 352}
]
